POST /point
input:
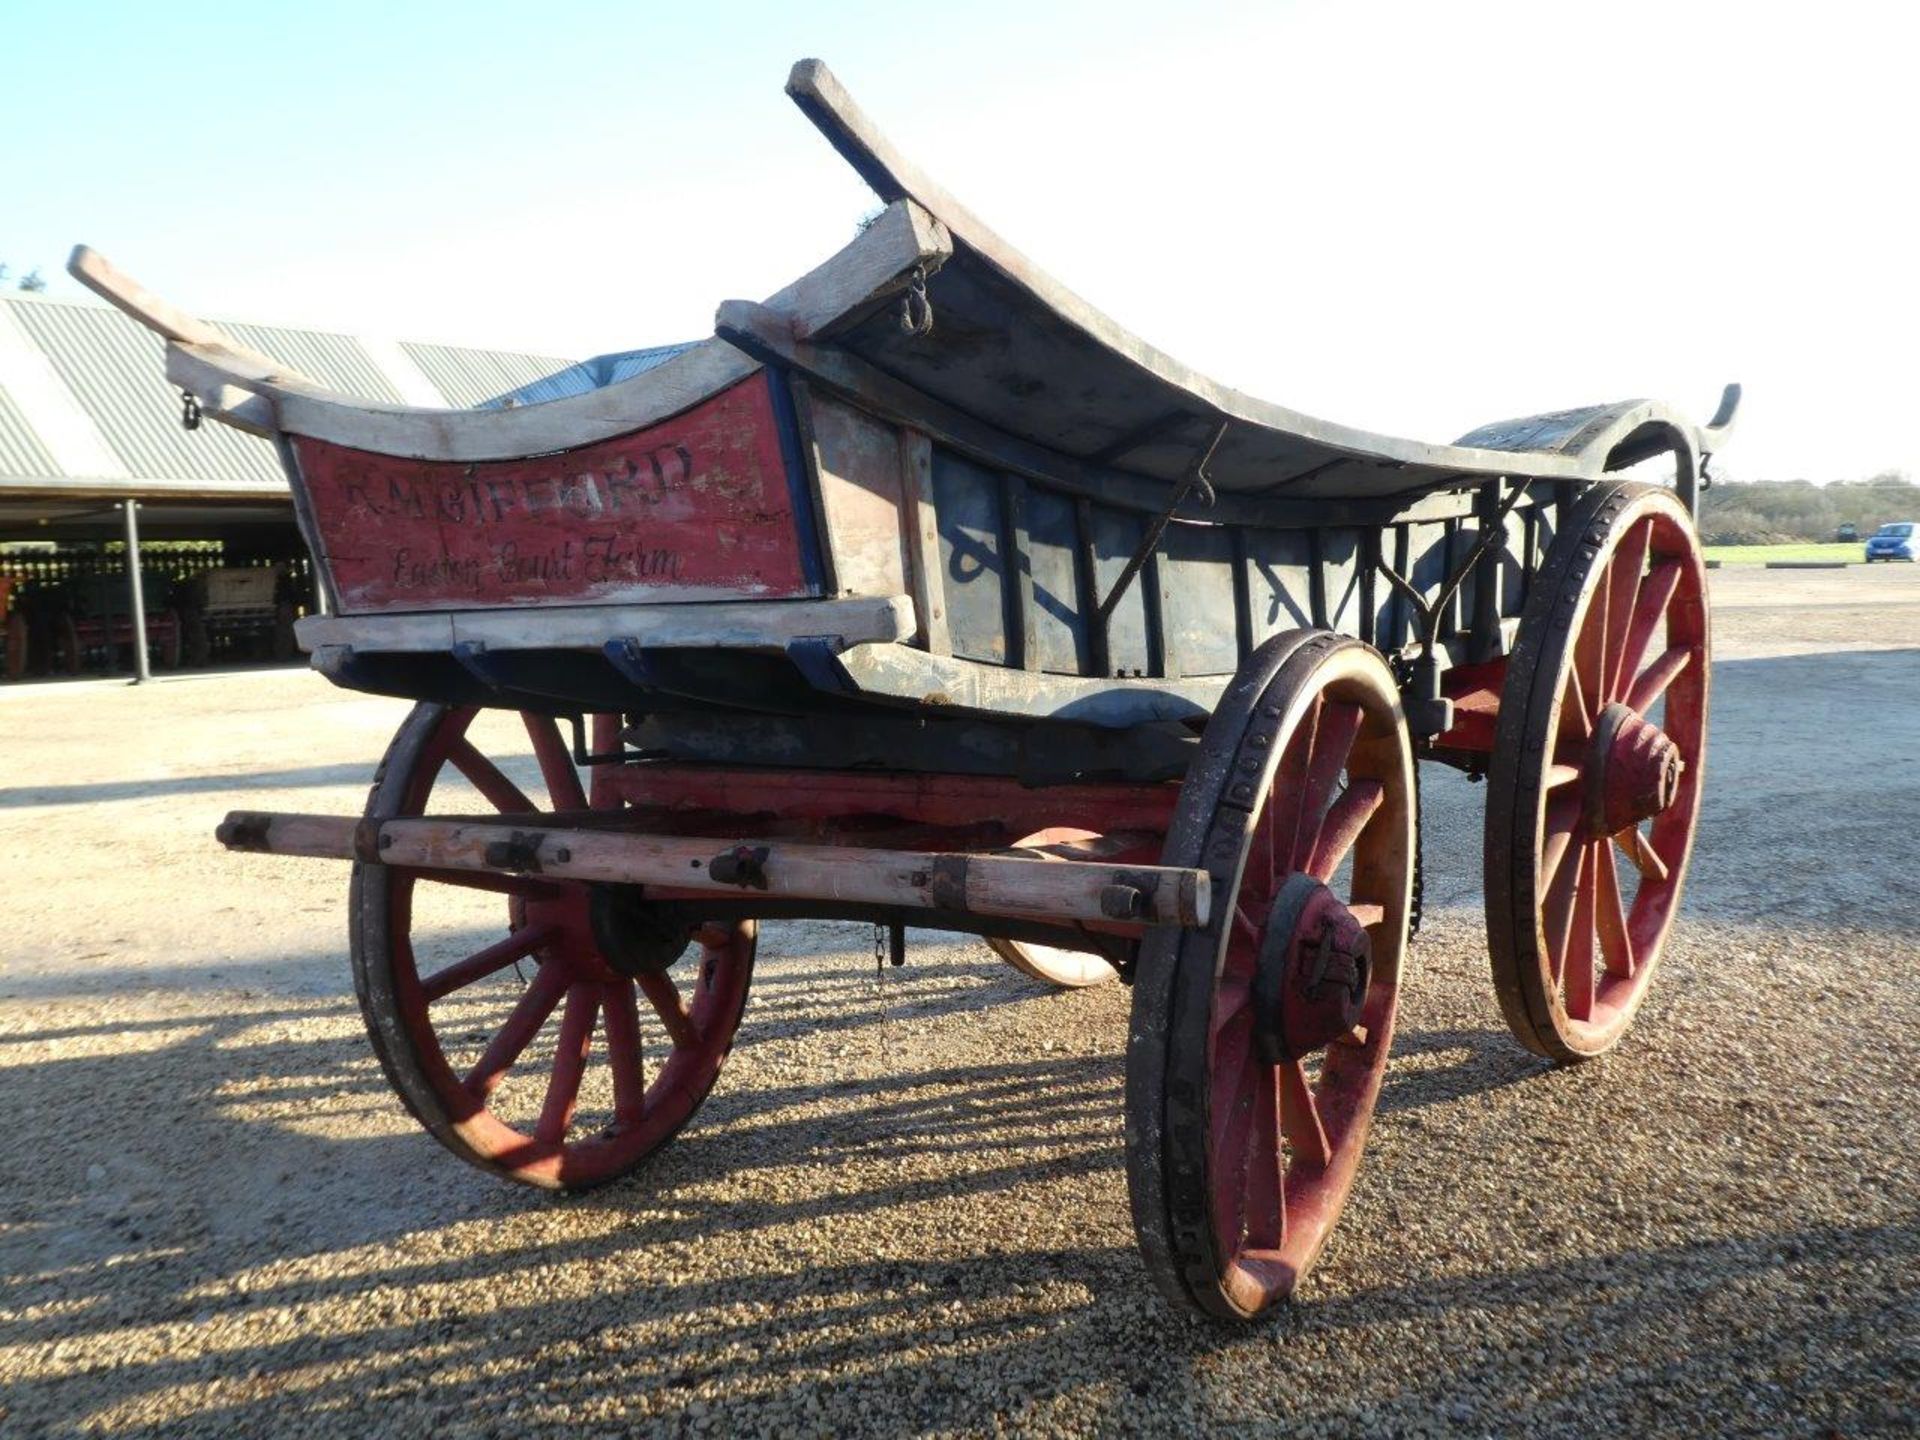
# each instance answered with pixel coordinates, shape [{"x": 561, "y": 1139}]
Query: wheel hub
[
  {"x": 1633, "y": 771},
  {"x": 1315, "y": 965},
  {"x": 632, "y": 937},
  {"x": 571, "y": 941}
]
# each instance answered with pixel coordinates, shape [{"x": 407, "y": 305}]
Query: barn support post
[{"x": 141, "y": 672}]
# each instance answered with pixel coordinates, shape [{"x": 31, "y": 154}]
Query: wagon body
[
  {"x": 926, "y": 559},
  {"x": 943, "y": 513}
]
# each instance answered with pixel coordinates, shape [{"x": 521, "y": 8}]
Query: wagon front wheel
[
  {"x": 1258, "y": 1044},
  {"x": 547, "y": 1031},
  {"x": 1594, "y": 787}
]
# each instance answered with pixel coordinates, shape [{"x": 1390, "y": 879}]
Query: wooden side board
[
  {"x": 856, "y": 469},
  {"x": 252, "y": 391},
  {"x": 733, "y": 625}
]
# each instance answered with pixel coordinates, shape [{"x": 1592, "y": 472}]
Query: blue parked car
[{"x": 1891, "y": 542}]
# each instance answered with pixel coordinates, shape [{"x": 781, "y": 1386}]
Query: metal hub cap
[
  {"x": 1316, "y": 962},
  {"x": 1634, "y": 773}
]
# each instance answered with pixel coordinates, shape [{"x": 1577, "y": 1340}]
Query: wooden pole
[
  {"x": 1032, "y": 888},
  {"x": 141, "y": 672}
]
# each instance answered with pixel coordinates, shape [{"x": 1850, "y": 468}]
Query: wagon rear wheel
[
  {"x": 507, "y": 1029},
  {"x": 1258, "y": 1044},
  {"x": 1055, "y": 964},
  {"x": 1594, "y": 786}
]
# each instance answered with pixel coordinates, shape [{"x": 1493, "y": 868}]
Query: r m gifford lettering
[{"x": 626, "y": 487}]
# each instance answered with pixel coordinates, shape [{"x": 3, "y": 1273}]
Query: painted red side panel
[
  {"x": 696, "y": 508},
  {"x": 846, "y": 795}
]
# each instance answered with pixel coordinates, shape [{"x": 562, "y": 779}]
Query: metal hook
[
  {"x": 189, "y": 410},
  {"x": 916, "y": 311}
]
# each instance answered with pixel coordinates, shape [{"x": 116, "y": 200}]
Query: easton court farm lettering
[{"x": 590, "y": 560}]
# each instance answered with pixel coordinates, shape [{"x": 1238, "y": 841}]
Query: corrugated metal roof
[
  {"x": 336, "y": 361},
  {"x": 115, "y": 368},
  {"x": 470, "y": 378},
  {"x": 21, "y": 453}
]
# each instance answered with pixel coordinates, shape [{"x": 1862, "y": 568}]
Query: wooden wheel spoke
[
  {"x": 1560, "y": 773},
  {"x": 1563, "y": 816},
  {"x": 556, "y": 765},
  {"x": 624, "y": 1054},
  {"x": 1300, "y": 1116},
  {"x": 1245, "y": 926},
  {"x": 1333, "y": 737},
  {"x": 1286, "y": 800},
  {"x": 1265, "y": 1188},
  {"x": 482, "y": 963},
  {"x": 664, "y": 996},
  {"x": 1368, "y": 916},
  {"x": 1658, "y": 676},
  {"x": 1616, "y": 943},
  {"x": 1231, "y": 1107},
  {"x": 1262, "y": 874},
  {"x": 1623, "y": 592},
  {"x": 488, "y": 779},
  {"x": 517, "y": 1033},
  {"x": 1590, "y": 646},
  {"x": 1230, "y": 1001},
  {"x": 1342, "y": 824},
  {"x": 1573, "y": 707},
  {"x": 1576, "y": 966},
  {"x": 1636, "y": 847},
  {"x": 1558, "y": 913},
  {"x": 1650, "y": 608},
  {"x": 569, "y": 1063}
]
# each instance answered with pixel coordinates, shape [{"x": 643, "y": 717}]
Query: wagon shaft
[{"x": 1036, "y": 888}]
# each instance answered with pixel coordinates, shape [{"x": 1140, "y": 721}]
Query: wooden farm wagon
[{"x": 923, "y": 593}]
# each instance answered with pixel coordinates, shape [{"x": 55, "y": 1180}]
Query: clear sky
[{"x": 1413, "y": 218}]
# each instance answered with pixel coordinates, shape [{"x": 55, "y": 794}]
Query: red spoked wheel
[
  {"x": 1055, "y": 964},
  {"x": 461, "y": 977},
  {"x": 1258, "y": 1044},
  {"x": 1594, "y": 786}
]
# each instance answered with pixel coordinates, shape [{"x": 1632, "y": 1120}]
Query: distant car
[
  {"x": 1847, "y": 531},
  {"x": 1891, "y": 542}
]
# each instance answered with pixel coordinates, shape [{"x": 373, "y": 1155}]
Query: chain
[
  {"x": 880, "y": 992},
  {"x": 189, "y": 410},
  {"x": 1419, "y": 861},
  {"x": 916, "y": 311}
]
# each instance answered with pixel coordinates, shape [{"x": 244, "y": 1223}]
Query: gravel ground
[{"x": 903, "y": 1209}]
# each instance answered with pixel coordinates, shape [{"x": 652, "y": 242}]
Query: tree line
[{"x": 1770, "y": 512}]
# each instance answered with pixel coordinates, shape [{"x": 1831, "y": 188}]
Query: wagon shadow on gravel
[
  {"x": 97, "y": 792},
  {"x": 1022, "y": 1122},
  {"x": 853, "y": 1343}
]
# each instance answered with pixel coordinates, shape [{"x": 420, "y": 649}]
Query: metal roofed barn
[{"x": 89, "y": 424}]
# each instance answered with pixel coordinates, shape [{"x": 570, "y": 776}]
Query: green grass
[{"x": 1854, "y": 550}]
